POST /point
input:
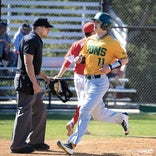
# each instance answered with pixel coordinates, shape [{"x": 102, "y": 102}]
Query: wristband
[{"x": 115, "y": 65}]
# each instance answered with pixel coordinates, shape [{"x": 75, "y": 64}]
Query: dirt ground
[{"x": 128, "y": 146}]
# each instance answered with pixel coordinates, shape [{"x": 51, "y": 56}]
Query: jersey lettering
[
  {"x": 103, "y": 51},
  {"x": 95, "y": 50}
]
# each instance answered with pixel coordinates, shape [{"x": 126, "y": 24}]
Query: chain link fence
[{"x": 138, "y": 16}]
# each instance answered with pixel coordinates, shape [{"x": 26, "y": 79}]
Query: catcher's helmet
[
  {"x": 59, "y": 88},
  {"x": 105, "y": 18}
]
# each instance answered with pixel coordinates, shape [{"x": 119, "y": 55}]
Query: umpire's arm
[{"x": 28, "y": 62}]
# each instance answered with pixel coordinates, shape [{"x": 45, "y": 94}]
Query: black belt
[
  {"x": 21, "y": 72},
  {"x": 92, "y": 76}
]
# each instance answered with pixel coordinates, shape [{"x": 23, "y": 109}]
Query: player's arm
[
  {"x": 61, "y": 72},
  {"x": 121, "y": 55},
  {"x": 68, "y": 61},
  {"x": 80, "y": 59},
  {"x": 117, "y": 64},
  {"x": 16, "y": 44}
]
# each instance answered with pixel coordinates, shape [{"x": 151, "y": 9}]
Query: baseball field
[{"x": 105, "y": 139}]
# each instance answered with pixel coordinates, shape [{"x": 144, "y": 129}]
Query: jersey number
[{"x": 101, "y": 61}]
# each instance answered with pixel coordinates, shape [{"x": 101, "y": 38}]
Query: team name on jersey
[{"x": 95, "y": 50}]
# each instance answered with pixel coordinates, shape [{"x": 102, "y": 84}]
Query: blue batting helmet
[{"x": 105, "y": 18}]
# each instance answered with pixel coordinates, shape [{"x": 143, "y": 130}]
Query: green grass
[{"x": 141, "y": 125}]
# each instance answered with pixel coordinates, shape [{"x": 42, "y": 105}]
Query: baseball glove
[{"x": 59, "y": 87}]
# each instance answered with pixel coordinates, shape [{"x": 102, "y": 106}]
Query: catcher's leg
[
  {"x": 79, "y": 87},
  {"x": 73, "y": 121},
  {"x": 76, "y": 115}
]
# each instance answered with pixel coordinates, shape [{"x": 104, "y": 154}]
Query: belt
[
  {"x": 21, "y": 72},
  {"x": 92, "y": 76}
]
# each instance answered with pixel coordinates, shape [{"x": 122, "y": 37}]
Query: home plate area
[{"x": 124, "y": 146}]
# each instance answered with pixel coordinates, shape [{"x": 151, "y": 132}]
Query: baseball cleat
[
  {"x": 69, "y": 128},
  {"x": 67, "y": 147},
  {"x": 125, "y": 123}
]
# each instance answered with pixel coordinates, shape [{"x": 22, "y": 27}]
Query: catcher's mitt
[{"x": 59, "y": 88}]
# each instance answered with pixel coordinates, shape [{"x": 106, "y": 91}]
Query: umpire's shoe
[
  {"x": 27, "y": 149},
  {"x": 68, "y": 147},
  {"x": 40, "y": 147},
  {"x": 125, "y": 123}
]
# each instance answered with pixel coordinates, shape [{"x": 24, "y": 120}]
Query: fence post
[
  {"x": 0, "y": 8},
  {"x": 105, "y": 5}
]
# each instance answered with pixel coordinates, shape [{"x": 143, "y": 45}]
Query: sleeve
[
  {"x": 29, "y": 47},
  {"x": 16, "y": 42},
  {"x": 120, "y": 51},
  {"x": 66, "y": 63},
  {"x": 69, "y": 57},
  {"x": 83, "y": 51},
  {"x": 71, "y": 54}
]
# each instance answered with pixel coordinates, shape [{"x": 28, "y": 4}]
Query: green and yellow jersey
[{"x": 101, "y": 52}]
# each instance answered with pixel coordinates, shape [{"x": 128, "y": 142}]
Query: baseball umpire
[
  {"x": 30, "y": 121},
  {"x": 99, "y": 53}
]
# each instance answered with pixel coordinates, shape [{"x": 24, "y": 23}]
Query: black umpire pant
[{"x": 30, "y": 120}]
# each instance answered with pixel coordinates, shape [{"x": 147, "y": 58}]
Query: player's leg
[
  {"x": 93, "y": 95},
  {"x": 101, "y": 113},
  {"x": 79, "y": 87}
]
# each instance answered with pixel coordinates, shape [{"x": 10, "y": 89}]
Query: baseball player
[
  {"x": 88, "y": 30},
  {"x": 101, "y": 54}
]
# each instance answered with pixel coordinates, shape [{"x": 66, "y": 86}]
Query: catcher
[{"x": 73, "y": 52}]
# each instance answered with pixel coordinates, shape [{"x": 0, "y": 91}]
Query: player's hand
[
  {"x": 78, "y": 59},
  {"x": 56, "y": 77},
  {"x": 43, "y": 76},
  {"x": 105, "y": 69}
]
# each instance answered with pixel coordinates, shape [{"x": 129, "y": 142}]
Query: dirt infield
[{"x": 105, "y": 147}]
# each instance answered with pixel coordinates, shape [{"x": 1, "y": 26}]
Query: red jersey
[{"x": 74, "y": 51}]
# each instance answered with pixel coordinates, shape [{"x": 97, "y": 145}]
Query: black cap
[
  {"x": 3, "y": 23},
  {"x": 26, "y": 25},
  {"x": 42, "y": 22}
]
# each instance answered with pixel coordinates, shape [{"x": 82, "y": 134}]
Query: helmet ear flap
[{"x": 105, "y": 26}]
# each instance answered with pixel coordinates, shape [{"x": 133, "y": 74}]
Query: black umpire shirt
[{"x": 30, "y": 44}]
